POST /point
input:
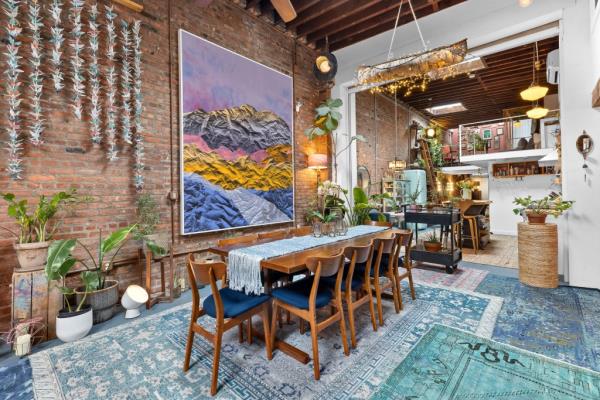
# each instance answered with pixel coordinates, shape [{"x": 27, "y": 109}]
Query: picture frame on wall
[
  {"x": 499, "y": 131},
  {"x": 496, "y": 143},
  {"x": 487, "y": 134}
]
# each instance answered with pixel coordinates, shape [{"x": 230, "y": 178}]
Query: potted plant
[
  {"x": 76, "y": 320},
  {"x": 100, "y": 293},
  {"x": 35, "y": 229},
  {"x": 466, "y": 188},
  {"x": 536, "y": 211},
  {"x": 148, "y": 218},
  {"x": 432, "y": 242},
  {"x": 363, "y": 205}
]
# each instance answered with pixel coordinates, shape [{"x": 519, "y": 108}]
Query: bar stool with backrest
[
  {"x": 304, "y": 297},
  {"x": 357, "y": 277},
  {"x": 405, "y": 240},
  {"x": 228, "y": 307},
  {"x": 386, "y": 253}
]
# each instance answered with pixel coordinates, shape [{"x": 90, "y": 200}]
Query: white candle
[{"x": 23, "y": 345}]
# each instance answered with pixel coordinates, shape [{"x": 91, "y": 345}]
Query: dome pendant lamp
[
  {"x": 325, "y": 66},
  {"x": 534, "y": 91}
]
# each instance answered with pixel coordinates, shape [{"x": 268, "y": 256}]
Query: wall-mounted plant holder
[{"x": 585, "y": 145}]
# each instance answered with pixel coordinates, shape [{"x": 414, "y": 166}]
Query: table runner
[{"x": 244, "y": 263}]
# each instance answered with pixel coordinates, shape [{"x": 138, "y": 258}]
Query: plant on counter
[
  {"x": 413, "y": 196},
  {"x": 36, "y": 228},
  {"x": 537, "y": 210},
  {"x": 466, "y": 188},
  {"x": 363, "y": 205},
  {"x": 432, "y": 242}
]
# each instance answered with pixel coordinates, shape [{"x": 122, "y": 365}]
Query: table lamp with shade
[{"x": 317, "y": 162}]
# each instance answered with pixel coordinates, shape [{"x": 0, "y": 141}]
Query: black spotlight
[{"x": 325, "y": 66}]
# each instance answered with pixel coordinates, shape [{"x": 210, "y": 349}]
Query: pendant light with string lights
[{"x": 535, "y": 91}]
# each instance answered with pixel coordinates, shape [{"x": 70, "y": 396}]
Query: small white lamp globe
[{"x": 132, "y": 299}]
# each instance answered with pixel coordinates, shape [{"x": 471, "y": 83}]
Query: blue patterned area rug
[
  {"x": 561, "y": 323},
  {"x": 143, "y": 359},
  {"x": 452, "y": 364}
]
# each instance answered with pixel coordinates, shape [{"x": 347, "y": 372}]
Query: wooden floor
[{"x": 501, "y": 252}]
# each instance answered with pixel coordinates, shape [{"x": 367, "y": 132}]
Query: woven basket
[{"x": 538, "y": 255}]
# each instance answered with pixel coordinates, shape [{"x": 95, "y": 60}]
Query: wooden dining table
[{"x": 294, "y": 263}]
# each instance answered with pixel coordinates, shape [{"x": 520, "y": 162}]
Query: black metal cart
[{"x": 444, "y": 217}]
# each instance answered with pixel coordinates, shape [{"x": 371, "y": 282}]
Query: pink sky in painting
[
  {"x": 214, "y": 78},
  {"x": 226, "y": 154}
]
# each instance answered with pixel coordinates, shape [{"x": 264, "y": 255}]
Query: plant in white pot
[
  {"x": 466, "y": 189},
  {"x": 35, "y": 229},
  {"x": 98, "y": 291}
]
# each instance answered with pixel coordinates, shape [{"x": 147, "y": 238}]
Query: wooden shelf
[{"x": 520, "y": 169}]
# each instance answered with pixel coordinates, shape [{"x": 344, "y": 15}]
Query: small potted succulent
[
  {"x": 466, "y": 189},
  {"x": 432, "y": 242},
  {"x": 536, "y": 211}
]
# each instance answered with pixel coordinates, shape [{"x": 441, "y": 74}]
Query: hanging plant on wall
[
  {"x": 111, "y": 84},
  {"x": 137, "y": 91},
  {"x": 94, "y": 77},
  {"x": 13, "y": 92},
  {"x": 36, "y": 76},
  {"x": 57, "y": 39},
  {"x": 125, "y": 83},
  {"x": 77, "y": 78}
]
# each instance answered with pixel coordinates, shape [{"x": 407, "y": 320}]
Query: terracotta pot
[
  {"x": 433, "y": 247},
  {"x": 32, "y": 256},
  {"x": 103, "y": 301},
  {"x": 534, "y": 218}
]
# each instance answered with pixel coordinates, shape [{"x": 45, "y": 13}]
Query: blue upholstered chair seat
[
  {"x": 297, "y": 293},
  {"x": 234, "y": 303},
  {"x": 357, "y": 279}
]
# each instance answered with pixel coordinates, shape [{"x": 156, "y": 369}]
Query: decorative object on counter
[
  {"x": 466, "y": 188},
  {"x": 35, "y": 229},
  {"x": 24, "y": 335},
  {"x": 536, "y": 211},
  {"x": 538, "y": 254},
  {"x": 432, "y": 242},
  {"x": 125, "y": 83},
  {"x": 111, "y": 84},
  {"x": 97, "y": 291},
  {"x": 138, "y": 106},
  {"x": 134, "y": 297},
  {"x": 77, "y": 78},
  {"x": 94, "y": 76},
  {"x": 585, "y": 145},
  {"x": 13, "y": 91},
  {"x": 36, "y": 76},
  {"x": 57, "y": 39}
]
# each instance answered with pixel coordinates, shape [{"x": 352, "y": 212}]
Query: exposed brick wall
[{"x": 67, "y": 159}]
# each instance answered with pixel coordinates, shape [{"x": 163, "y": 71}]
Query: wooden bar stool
[
  {"x": 228, "y": 307},
  {"x": 302, "y": 298}
]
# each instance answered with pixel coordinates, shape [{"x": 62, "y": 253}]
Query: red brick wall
[{"x": 67, "y": 159}]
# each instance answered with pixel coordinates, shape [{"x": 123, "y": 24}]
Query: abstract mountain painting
[{"x": 236, "y": 140}]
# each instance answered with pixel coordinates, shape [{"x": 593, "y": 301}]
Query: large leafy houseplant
[
  {"x": 363, "y": 204},
  {"x": 537, "y": 210}
]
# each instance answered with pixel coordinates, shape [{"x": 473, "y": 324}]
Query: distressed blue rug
[
  {"x": 143, "y": 359},
  {"x": 451, "y": 364},
  {"x": 561, "y": 323},
  {"x": 15, "y": 381}
]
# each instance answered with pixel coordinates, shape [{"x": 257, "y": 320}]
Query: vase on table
[{"x": 317, "y": 229}]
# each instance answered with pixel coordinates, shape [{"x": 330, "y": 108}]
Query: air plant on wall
[
  {"x": 125, "y": 83},
  {"x": 137, "y": 90},
  {"x": 57, "y": 39},
  {"x": 94, "y": 77},
  {"x": 36, "y": 77},
  {"x": 77, "y": 77},
  {"x": 13, "y": 92},
  {"x": 111, "y": 84}
]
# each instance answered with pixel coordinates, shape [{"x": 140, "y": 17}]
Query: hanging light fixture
[
  {"x": 534, "y": 91},
  {"x": 537, "y": 112},
  {"x": 325, "y": 66},
  {"x": 430, "y": 133}
]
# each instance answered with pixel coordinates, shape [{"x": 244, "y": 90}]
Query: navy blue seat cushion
[
  {"x": 234, "y": 303},
  {"x": 297, "y": 293},
  {"x": 357, "y": 278}
]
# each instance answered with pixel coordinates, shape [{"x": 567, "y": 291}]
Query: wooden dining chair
[
  {"x": 386, "y": 262},
  {"x": 304, "y": 297},
  {"x": 357, "y": 282},
  {"x": 243, "y": 239},
  {"x": 386, "y": 224},
  {"x": 302, "y": 231},
  {"x": 404, "y": 262},
  {"x": 228, "y": 307},
  {"x": 278, "y": 234}
]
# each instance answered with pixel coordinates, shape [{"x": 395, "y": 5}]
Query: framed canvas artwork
[
  {"x": 487, "y": 134},
  {"x": 236, "y": 140},
  {"x": 499, "y": 131}
]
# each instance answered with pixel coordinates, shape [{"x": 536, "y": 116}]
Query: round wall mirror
[
  {"x": 363, "y": 178},
  {"x": 585, "y": 144}
]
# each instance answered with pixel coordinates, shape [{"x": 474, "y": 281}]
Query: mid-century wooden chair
[
  {"x": 302, "y": 231},
  {"x": 304, "y": 297},
  {"x": 405, "y": 240},
  {"x": 228, "y": 307},
  {"x": 386, "y": 262},
  {"x": 379, "y": 223},
  {"x": 278, "y": 234}
]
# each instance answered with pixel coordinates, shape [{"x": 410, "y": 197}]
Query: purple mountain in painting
[{"x": 238, "y": 128}]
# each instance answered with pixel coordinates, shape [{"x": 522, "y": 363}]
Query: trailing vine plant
[
  {"x": 77, "y": 78},
  {"x": 57, "y": 39},
  {"x": 125, "y": 83},
  {"x": 94, "y": 77},
  {"x": 111, "y": 84},
  {"x": 13, "y": 92},
  {"x": 36, "y": 76},
  {"x": 137, "y": 91}
]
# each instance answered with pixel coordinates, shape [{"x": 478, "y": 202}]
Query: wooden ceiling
[
  {"x": 491, "y": 90},
  {"x": 343, "y": 22}
]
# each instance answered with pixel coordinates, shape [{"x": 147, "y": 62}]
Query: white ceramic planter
[
  {"x": 71, "y": 326},
  {"x": 467, "y": 194}
]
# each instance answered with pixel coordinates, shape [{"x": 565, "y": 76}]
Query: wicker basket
[
  {"x": 538, "y": 255},
  {"x": 103, "y": 301}
]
